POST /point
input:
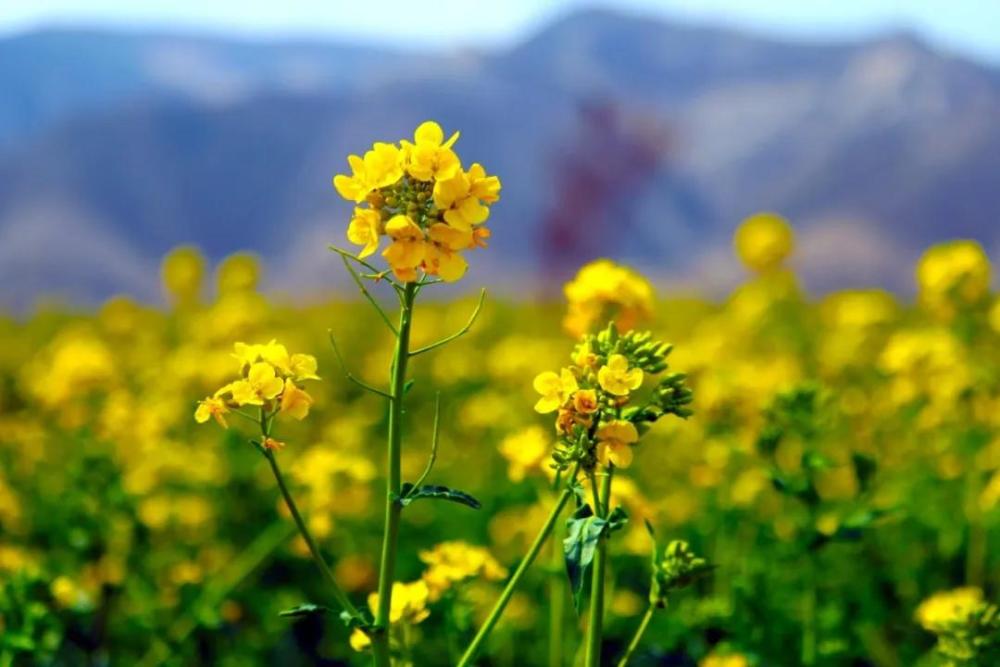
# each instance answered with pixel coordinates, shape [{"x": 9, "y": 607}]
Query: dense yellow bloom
[
  {"x": 952, "y": 274},
  {"x": 430, "y": 156},
  {"x": 614, "y": 443},
  {"x": 449, "y": 563},
  {"x": 617, "y": 378},
  {"x": 365, "y": 230},
  {"x": 763, "y": 241},
  {"x": 947, "y": 608},
  {"x": 238, "y": 273},
  {"x": 419, "y": 196},
  {"x": 604, "y": 291},
  {"x": 555, "y": 389}
]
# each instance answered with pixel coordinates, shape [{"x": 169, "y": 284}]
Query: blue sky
[{"x": 970, "y": 27}]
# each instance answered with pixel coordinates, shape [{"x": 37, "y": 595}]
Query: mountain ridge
[{"x": 887, "y": 136}]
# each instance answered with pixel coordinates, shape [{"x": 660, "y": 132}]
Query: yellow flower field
[{"x": 628, "y": 476}]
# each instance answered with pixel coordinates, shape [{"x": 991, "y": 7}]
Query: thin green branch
[
  {"x": 368, "y": 295},
  {"x": 338, "y": 592},
  {"x": 434, "y": 443},
  {"x": 461, "y": 332},
  {"x": 595, "y": 623},
  {"x": 637, "y": 637},
  {"x": 484, "y": 632},
  {"x": 347, "y": 373}
]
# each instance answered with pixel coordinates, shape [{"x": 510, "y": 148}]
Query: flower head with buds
[
  {"x": 270, "y": 379},
  {"x": 419, "y": 196},
  {"x": 601, "y": 410}
]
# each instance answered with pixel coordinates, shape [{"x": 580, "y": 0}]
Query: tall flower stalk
[{"x": 430, "y": 209}]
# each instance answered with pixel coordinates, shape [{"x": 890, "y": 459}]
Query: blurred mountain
[{"x": 613, "y": 134}]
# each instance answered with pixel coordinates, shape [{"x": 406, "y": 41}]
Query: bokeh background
[
  {"x": 841, "y": 469},
  {"x": 129, "y": 128}
]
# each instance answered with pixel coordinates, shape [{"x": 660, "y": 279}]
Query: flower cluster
[
  {"x": 449, "y": 563},
  {"x": 269, "y": 380},
  {"x": 420, "y": 197},
  {"x": 952, "y": 276},
  {"x": 967, "y": 627},
  {"x": 599, "y": 417},
  {"x": 603, "y": 291}
]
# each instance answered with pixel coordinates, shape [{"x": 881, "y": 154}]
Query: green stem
[
  {"x": 390, "y": 537},
  {"x": 484, "y": 632},
  {"x": 338, "y": 592},
  {"x": 595, "y": 625},
  {"x": 809, "y": 614},
  {"x": 557, "y": 598},
  {"x": 637, "y": 637}
]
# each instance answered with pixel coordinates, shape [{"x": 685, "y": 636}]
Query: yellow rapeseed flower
[
  {"x": 380, "y": 167},
  {"x": 449, "y": 563},
  {"x": 525, "y": 450},
  {"x": 261, "y": 384},
  {"x": 365, "y": 230},
  {"x": 763, "y": 241},
  {"x": 409, "y": 605},
  {"x": 430, "y": 156},
  {"x": 211, "y": 408},
  {"x": 603, "y": 290},
  {"x": 614, "y": 443},
  {"x": 408, "y": 247},
  {"x": 724, "y": 660},
  {"x": 956, "y": 273},
  {"x": 442, "y": 256},
  {"x": 555, "y": 389},
  {"x": 945, "y": 608},
  {"x": 617, "y": 378},
  {"x": 295, "y": 402}
]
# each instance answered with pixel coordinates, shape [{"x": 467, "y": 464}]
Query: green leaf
[
  {"x": 411, "y": 493},
  {"x": 583, "y": 532},
  {"x": 304, "y": 610},
  {"x": 617, "y": 520}
]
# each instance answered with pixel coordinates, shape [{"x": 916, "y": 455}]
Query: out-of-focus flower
[
  {"x": 603, "y": 291},
  {"x": 237, "y": 273},
  {"x": 183, "y": 273},
  {"x": 942, "y": 609},
  {"x": 724, "y": 660},
  {"x": 525, "y": 451},
  {"x": 953, "y": 275},
  {"x": 449, "y": 563},
  {"x": 409, "y": 605},
  {"x": 763, "y": 241}
]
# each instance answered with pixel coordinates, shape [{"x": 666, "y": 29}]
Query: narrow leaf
[{"x": 411, "y": 493}]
